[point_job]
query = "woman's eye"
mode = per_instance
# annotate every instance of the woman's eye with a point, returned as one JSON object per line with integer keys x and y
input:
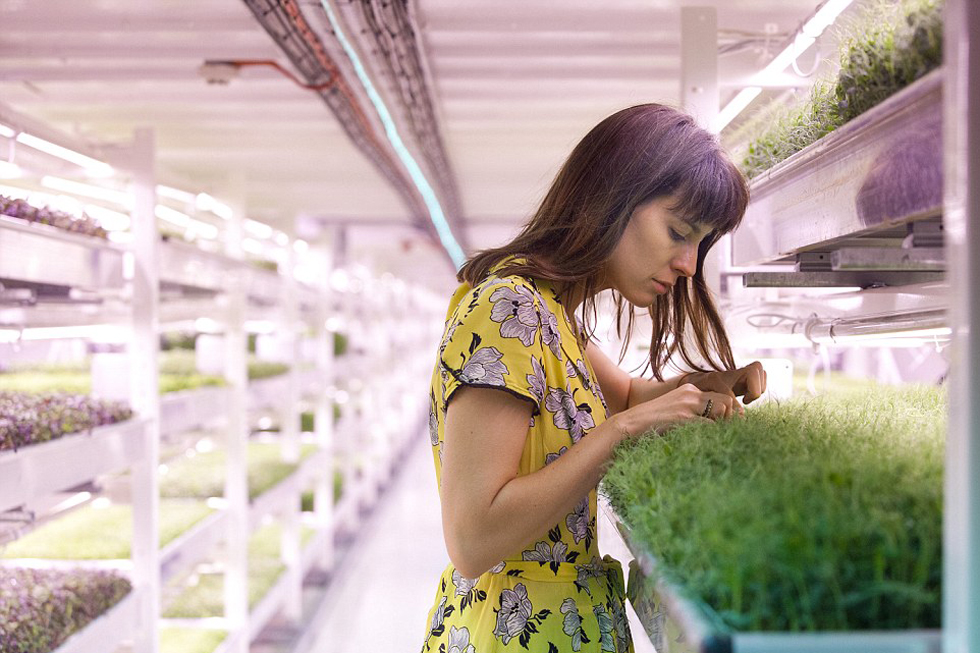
{"x": 676, "y": 237}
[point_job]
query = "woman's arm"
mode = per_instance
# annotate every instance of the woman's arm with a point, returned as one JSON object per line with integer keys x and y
{"x": 488, "y": 511}
{"x": 620, "y": 389}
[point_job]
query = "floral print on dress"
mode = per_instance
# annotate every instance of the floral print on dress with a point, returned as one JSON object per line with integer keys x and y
{"x": 433, "y": 421}
{"x": 439, "y": 618}
{"x": 483, "y": 367}
{"x": 514, "y": 309}
{"x": 537, "y": 381}
{"x": 459, "y": 641}
{"x": 621, "y": 626}
{"x": 512, "y": 333}
{"x": 605, "y": 628}
{"x": 466, "y": 588}
{"x": 572, "y": 624}
{"x": 592, "y": 569}
{"x": 572, "y": 417}
{"x": 516, "y": 617}
{"x": 552, "y": 457}
{"x": 551, "y": 554}
{"x": 549, "y": 331}
{"x": 579, "y": 521}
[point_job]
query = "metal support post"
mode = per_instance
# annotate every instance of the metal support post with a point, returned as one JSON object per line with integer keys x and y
{"x": 144, "y": 385}
{"x": 323, "y": 496}
{"x": 961, "y": 216}
{"x": 236, "y": 437}
{"x": 291, "y": 543}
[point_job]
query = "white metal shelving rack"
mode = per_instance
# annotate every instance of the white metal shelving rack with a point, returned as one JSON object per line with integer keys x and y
{"x": 40, "y": 259}
{"x": 838, "y": 213}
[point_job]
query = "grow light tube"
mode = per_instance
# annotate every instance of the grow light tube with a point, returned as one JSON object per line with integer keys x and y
{"x": 436, "y": 214}
{"x": 100, "y": 332}
{"x": 9, "y": 170}
{"x": 87, "y": 190}
{"x": 805, "y": 37}
{"x": 93, "y": 167}
{"x": 923, "y": 325}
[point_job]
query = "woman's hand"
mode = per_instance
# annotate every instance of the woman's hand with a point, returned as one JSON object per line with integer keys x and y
{"x": 687, "y": 403}
{"x": 748, "y": 382}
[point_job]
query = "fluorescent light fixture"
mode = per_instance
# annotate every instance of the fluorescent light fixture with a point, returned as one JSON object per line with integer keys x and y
{"x": 415, "y": 172}
{"x": 93, "y": 167}
{"x": 281, "y": 239}
{"x": 101, "y": 503}
{"x": 805, "y": 38}
{"x": 72, "y": 501}
{"x": 252, "y": 246}
{"x": 87, "y": 190}
{"x": 108, "y": 219}
{"x": 102, "y": 332}
{"x": 918, "y": 335}
{"x": 204, "y": 202}
{"x": 735, "y": 107}
{"x": 9, "y": 170}
{"x": 7, "y": 132}
{"x": 258, "y": 229}
{"x": 176, "y": 194}
{"x": 260, "y": 326}
{"x": 207, "y": 325}
{"x": 203, "y": 229}
{"x": 172, "y": 216}
{"x": 300, "y": 246}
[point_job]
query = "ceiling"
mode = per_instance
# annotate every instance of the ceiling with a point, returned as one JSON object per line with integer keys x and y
{"x": 513, "y": 87}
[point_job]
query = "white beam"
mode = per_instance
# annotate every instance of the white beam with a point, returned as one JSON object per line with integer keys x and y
{"x": 699, "y": 63}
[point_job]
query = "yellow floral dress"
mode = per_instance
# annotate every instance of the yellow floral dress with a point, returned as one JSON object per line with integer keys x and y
{"x": 556, "y": 594}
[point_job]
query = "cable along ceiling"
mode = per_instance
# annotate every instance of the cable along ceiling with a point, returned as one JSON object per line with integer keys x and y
{"x": 416, "y": 165}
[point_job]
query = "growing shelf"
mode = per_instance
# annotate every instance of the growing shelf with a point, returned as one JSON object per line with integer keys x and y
{"x": 286, "y": 494}
{"x": 191, "y": 640}
{"x": 203, "y": 475}
{"x": 858, "y": 186}
{"x": 264, "y": 287}
{"x": 187, "y": 270}
{"x": 77, "y": 611}
{"x": 41, "y": 258}
{"x": 187, "y": 409}
{"x": 103, "y": 533}
{"x": 115, "y": 626}
{"x": 267, "y": 584}
{"x": 676, "y": 624}
{"x": 71, "y": 460}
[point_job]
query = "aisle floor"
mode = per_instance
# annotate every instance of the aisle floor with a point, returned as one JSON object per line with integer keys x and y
{"x": 380, "y": 596}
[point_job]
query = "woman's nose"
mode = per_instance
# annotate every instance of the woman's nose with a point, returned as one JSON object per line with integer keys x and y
{"x": 686, "y": 262}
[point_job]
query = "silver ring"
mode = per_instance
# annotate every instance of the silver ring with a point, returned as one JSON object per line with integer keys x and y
{"x": 707, "y": 408}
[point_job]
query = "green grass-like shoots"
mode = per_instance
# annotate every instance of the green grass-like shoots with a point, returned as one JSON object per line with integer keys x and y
{"x": 889, "y": 47}
{"x": 190, "y": 640}
{"x": 203, "y": 475}
{"x": 206, "y": 598}
{"x": 814, "y": 515}
{"x": 102, "y": 533}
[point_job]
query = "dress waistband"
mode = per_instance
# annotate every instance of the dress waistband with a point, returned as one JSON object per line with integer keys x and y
{"x": 559, "y": 572}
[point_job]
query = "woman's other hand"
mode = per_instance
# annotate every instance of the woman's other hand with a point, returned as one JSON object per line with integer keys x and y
{"x": 748, "y": 382}
{"x": 687, "y": 403}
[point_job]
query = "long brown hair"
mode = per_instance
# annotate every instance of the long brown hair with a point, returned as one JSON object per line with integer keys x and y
{"x": 630, "y": 158}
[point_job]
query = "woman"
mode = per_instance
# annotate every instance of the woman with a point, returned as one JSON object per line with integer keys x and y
{"x": 526, "y": 410}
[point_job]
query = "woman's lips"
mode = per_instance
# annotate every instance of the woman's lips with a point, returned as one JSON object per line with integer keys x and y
{"x": 659, "y": 286}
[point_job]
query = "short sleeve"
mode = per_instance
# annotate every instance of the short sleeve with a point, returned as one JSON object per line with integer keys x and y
{"x": 494, "y": 341}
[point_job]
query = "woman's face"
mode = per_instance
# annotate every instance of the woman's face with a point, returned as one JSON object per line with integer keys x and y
{"x": 657, "y": 247}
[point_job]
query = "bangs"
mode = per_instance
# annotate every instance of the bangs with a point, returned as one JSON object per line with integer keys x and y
{"x": 713, "y": 193}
